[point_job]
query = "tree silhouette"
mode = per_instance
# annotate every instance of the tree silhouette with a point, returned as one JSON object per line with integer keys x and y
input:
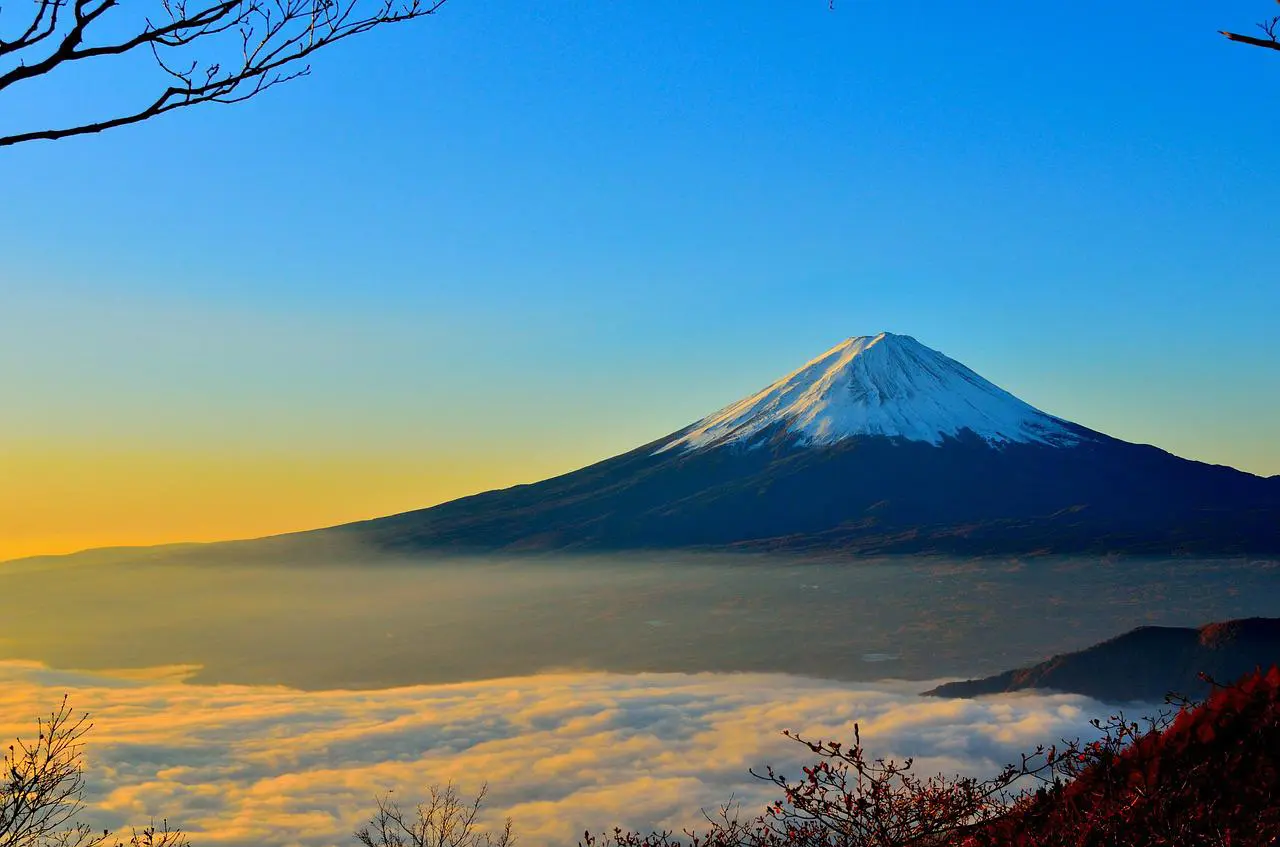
{"x": 207, "y": 51}
{"x": 42, "y": 791}
{"x": 446, "y": 820}
{"x": 1270, "y": 29}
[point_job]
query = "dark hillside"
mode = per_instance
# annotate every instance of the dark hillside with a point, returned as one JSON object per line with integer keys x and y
{"x": 865, "y": 495}
{"x": 1143, "y": 664}
{"x": 1211, "y": 778}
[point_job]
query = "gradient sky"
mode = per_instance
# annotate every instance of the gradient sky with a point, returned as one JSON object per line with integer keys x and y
{"x": 516, "y": 238}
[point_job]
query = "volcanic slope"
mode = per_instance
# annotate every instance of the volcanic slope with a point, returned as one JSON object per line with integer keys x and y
{"x": 879, "y": 445}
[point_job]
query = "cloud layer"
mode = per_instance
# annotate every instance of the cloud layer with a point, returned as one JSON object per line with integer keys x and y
{"x": 255, "y": 765}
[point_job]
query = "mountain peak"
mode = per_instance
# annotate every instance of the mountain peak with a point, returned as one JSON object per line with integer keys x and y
{"x": 878, "y": 385}
{"x": 879, "y": 337}
{"x": 894, "y": 491}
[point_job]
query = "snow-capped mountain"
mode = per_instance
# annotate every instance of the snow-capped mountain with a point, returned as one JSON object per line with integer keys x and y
{"x": 879, "y": 445}
{"x": 886, "y": 384}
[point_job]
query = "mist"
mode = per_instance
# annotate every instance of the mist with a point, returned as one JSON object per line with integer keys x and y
{"x": 263, "y": 693}
{"x": 293, "y": 613}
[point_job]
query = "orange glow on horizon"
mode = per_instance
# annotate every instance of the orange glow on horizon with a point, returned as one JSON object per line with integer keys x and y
{"x": 56, "y": 502}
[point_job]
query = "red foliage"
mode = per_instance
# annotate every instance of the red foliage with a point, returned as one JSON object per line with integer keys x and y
{"x": 1211, "y": 777}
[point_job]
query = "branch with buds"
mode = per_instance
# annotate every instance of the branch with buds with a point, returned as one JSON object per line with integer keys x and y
{"x": 224, "y": 51}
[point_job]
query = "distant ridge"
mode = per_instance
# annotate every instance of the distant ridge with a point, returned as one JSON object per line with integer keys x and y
{"x": 1143, "y": 664}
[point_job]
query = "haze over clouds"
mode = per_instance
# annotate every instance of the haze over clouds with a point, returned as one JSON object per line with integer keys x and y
{"x": 313, "y": 622}
{"x": 261, "y": 765}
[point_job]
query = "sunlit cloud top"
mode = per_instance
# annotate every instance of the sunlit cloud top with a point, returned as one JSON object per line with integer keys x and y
{"x": 261, "y": 766}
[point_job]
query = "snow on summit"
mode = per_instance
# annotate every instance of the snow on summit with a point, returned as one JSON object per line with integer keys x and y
{"x": 886, "y": 384}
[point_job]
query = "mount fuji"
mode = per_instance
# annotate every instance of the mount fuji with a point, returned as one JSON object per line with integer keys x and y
{"x": 879, "y": 445}
{"x": 885, "y": 385}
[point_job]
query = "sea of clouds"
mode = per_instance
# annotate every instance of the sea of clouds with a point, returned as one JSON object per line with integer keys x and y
{"x": 259, "y": 765}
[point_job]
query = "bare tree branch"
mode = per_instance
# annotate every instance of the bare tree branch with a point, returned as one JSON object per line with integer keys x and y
{"x": 445, "y": 820}
{"x": 244, "y": 47}
{"x": 42, "y": 791}
{"x": 1271, "y": 43}
{"x": 42, "y": 788}
{"x": 1271, "y": 29}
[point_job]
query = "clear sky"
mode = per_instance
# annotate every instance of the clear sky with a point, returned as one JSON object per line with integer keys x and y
{"x": 515, "y": 238}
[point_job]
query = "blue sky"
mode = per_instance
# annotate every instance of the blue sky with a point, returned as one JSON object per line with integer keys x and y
{"x": 521, "y": 237}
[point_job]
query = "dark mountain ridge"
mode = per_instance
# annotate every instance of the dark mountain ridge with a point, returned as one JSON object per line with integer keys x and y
{"x": 864, "y": 495}
{"x": 881, "y": 445}
{"x": 1143, "y": 664}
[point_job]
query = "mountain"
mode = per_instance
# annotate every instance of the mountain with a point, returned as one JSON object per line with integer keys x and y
{"x": 884, "y": 385}
{"x": 1144, "y": 664}
{"x": 879, "y": 445}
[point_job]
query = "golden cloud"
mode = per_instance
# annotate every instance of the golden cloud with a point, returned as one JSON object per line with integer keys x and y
{"x": 274, "y": 766}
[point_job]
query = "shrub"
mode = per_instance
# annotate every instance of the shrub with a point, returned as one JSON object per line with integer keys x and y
{"x": 446, "y": 820}
{"x": 42, "y": 791}
{"x": 1206, "y": 774}
{"x": 1209, "y": 777}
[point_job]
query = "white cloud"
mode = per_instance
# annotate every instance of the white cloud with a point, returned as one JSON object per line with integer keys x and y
{"x": 261, "y": 766}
